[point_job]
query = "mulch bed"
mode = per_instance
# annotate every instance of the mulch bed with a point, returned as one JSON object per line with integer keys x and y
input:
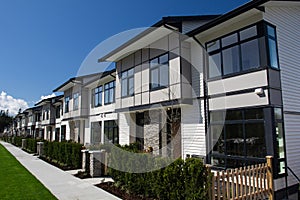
{"x": 111, "y": 188}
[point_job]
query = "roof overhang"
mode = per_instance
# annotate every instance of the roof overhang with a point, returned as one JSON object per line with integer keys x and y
{"x": 142, "y": 40}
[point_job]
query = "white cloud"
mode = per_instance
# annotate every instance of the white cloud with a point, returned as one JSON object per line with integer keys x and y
{"x": 47, "y": 96}
{"x": 8, "y": 102}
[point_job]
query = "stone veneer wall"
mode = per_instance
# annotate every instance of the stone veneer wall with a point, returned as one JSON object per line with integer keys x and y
{"x": 151, "y": 131}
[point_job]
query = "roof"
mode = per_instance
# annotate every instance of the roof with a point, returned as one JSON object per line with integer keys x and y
{"x": 79, "y": 78}
{"x": 244, "y": 8}
{"x": 174, "y": 23}
{"x": 49, "y": 100}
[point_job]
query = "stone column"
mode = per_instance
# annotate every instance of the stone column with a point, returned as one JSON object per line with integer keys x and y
{"x": 85, "y": 160}
{"x": 40, "y": 148}
{"x": 97, "y": 160}
{"x": 24, "y": 143}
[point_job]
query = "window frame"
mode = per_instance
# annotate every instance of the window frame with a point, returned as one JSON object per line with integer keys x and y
{"x": 107, "y": 92}
{"x": 127, "y": 79}
{"x": 108, "y": 125}
{"x": 263, "y": 50}
{"x": 76, "y": 101}
{"x": 245, "y": 157}
{"x": 97, "y": 95}
{"x": 67, "y": 104}
{"x": 159, "y": 67}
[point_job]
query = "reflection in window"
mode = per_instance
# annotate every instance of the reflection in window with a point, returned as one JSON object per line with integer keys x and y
{"x": 109, "y": 92}
{"x": 231, "y": 60}
{"x": 95, "y": 133}
{"x": 76, "y": 101}
{"x": 248, "y": 33}
{"x": 215, "y": 65}
{"x": 97, "y": 96}
{"x": 127, "y": 83}
{"x": 250, "y": 54}
{"x": 159, "y": 72}
{"x": 239, "y": 137}
{"x": 111, "y": 132}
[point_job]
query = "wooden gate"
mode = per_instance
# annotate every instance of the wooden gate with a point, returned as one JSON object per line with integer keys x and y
{"x": 251, "y": 182}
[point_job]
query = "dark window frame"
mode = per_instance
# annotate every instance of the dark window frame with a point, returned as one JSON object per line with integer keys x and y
{"x": 76, "y": 101}
{"x": 127, "y": 78}
{"x": 111, "y": 125}
{"x": 97, "y": 95}
{"x": 107, "y": 94}
{"x": 158, "y": 67}
{"x": 245, "y": 158}
{"x": 67, "y": 104}
{"x": 261, "y": 30}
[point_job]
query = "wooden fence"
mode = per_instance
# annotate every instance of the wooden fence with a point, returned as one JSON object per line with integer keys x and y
{"x": 251, "y": 182}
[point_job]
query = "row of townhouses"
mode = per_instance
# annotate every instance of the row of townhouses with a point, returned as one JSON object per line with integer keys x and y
{"x": 224, "y": 88}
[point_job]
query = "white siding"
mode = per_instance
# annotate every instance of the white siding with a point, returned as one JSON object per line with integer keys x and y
{"x": 242, "y": 82}
{"x": 193, "y": 129}
{"x": 286, "y": 19}
{"x": 292, "y": 134}
{"x": 124, "y": 128}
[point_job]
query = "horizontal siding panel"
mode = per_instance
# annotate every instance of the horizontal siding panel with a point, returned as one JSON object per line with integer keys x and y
{"x": 292, "y": 135}
{"x": 286, "y": 20}
{"x": 193, "y": 129}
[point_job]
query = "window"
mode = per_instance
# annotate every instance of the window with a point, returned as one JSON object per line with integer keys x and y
{"x": 67, "y": 103}
{"x": 97, "y": 96}
{"x": 111, "y": 132}
{"x": 237, "y": 137}
{"x": 273, "y": 57}
{"x": 109, "y": 92}
{"x": 95, "y": 132}
{"x": 242, "y": 51}
{"x": 76, "y": 101}
{"x": 159, "y": 72}
{"x": 280, "y": 144}
{"x": 127, "y": 83}
{"x": 57, "y": 112}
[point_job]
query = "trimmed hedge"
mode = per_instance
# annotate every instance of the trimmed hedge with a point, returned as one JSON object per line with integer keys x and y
{"x": 64, "y": 153}
{"x": 181, "y": 179}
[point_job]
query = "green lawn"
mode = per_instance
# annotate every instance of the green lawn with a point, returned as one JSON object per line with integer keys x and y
{"x": 18, "y": 183}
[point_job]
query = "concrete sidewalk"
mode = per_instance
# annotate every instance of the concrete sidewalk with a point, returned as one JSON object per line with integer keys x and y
{"x": 60, "y": 183}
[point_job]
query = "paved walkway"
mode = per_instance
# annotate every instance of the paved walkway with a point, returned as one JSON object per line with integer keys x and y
{"x": 61, "y": 184}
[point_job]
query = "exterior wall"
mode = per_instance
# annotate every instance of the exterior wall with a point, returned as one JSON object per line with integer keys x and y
{"x": 179, "y": 87}
{"x": 286, "y": 19}
{"x": 193, "y": 129}
{"x": 124, "y": 128}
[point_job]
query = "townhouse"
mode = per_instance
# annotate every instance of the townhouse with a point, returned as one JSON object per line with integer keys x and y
{"x": 223, "y": 88}
{"x": 227, "y": 92}
{"x": 86, "y": 109}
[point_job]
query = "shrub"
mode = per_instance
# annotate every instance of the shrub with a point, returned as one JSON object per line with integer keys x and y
{"x": 181, "y": 179}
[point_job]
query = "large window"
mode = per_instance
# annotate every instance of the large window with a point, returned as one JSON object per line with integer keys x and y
{"x": 127, "y": 82}
{"x": 97, "y": 96}
{"x": 76, "y": 101}
{"x": 111, "y": 132}
{"x": 67, "y": 104}
{"x": 95, "y": 133}
{"x": 237, "y": 137}
{"x": 109, "y": 92}
{"x": 242, "y": 51}
{"x": 159, "y": 72}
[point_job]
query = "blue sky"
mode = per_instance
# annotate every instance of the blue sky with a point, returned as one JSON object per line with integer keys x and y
{"x": 43, "y": 43}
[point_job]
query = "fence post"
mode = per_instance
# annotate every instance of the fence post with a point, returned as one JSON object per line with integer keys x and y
{"x": 270, "y": 177}
{"x": 211, "y": 185}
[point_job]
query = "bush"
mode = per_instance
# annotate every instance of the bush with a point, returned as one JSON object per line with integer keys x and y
{"x": 181, "y": 179}
{"x": 65, "y": 153}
